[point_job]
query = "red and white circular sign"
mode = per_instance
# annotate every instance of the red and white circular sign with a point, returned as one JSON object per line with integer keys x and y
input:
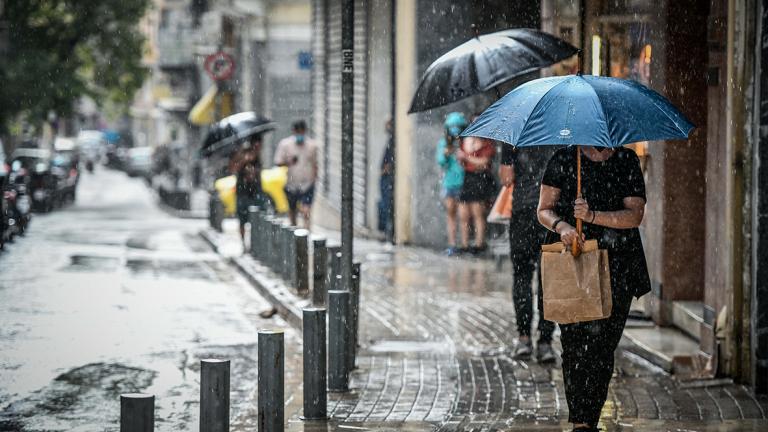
{"x": 220, "y": 66}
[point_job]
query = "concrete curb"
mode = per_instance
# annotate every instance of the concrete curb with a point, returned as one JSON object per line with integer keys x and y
{"x": 271, "y": 287}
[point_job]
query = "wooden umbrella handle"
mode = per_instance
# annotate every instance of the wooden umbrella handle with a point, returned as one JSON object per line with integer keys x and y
{"x": 575, "y": 248}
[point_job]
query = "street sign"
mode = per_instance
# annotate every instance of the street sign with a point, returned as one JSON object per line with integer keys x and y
{"x": 220, "y": 66}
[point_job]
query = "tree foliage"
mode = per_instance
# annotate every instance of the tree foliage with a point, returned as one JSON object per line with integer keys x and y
{"x": 60, "y": 50}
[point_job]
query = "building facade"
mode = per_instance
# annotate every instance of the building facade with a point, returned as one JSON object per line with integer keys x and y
{"x": 704, "y": 228}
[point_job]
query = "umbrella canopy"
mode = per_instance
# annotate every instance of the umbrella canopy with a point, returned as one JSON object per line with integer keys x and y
{"x": 580, "y": 110}
{"x": 224, "y": 136}
{"x": 485, "y": 62}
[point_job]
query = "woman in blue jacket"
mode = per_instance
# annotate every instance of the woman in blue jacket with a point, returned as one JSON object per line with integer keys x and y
{"x": 453, "y": 173}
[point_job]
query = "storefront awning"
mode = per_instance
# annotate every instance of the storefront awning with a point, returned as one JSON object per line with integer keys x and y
{"x": 203, "y": 112}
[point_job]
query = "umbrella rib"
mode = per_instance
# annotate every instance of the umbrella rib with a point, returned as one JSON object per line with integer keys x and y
{"x": 535, "y": 107}
{"x": 673, "y": 120}
{"x": 602, "y": 111}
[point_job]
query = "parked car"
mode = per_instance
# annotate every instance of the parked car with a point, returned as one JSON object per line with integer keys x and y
{"x": 273, "y": 182}
{"x": 36, "y": 164}
{"x": 139, "y": 162}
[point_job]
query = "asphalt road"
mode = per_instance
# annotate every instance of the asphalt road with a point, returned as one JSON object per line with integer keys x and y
{"x": 112, "y": 295}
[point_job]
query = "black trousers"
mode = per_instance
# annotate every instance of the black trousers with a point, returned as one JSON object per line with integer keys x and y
{"x": 588, "y": 349}
{"x": 524, "y": 264}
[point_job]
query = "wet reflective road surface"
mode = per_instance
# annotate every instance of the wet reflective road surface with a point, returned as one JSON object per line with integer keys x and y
{"x": 111, "y": 295}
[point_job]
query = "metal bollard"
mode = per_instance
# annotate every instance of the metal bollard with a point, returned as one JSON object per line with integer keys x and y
{"x": 137, "y": 412}
{"x": 253, "y": 218}
{"x": 336, "y": 269}
{"x": 319, "y": 271}
{"x": 290, "y": 254}
{"x": 215, "y": 212}
{"x": 214, "y": 395}
{"x": 271, "y": 381}
{"x": 315, "y": 371}
{"x": 261, "y": 236}
{"x": 301, "y": 260}
{"x": 285, "y": 239}
{"x": 338, "y": 340}
{"x": 354, "y": 314}
{"x": 334, "y": 266}
{"x": 274, "y": 254}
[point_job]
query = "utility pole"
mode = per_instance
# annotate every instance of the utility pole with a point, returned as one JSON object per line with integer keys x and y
{"x": 347, "y": 146}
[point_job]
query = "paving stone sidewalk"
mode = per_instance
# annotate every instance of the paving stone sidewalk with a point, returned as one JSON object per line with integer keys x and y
{"x": 435, "y": 336}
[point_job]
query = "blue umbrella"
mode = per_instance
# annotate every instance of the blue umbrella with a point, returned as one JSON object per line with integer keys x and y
{"x": 580, "y": 110}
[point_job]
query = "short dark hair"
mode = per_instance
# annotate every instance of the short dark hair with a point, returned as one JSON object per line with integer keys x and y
{"x": 299, "y": 125}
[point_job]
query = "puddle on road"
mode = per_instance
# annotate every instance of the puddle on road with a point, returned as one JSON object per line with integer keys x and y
{"x": 91, "y": 263}
{"x": 87, "y": 394}
{"x": 170, "y": 268}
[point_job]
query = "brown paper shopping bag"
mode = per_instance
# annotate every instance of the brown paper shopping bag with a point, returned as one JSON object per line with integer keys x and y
{"x": 575, "y": 289}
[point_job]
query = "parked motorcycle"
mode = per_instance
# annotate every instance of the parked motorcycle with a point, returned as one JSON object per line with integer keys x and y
{"x": 42, "y": 184}
{"x": 19, "y": 203}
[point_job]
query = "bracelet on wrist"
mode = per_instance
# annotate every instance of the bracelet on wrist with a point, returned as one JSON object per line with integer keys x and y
{"x": 594, "y": 215}
{"x": 555, "y": 223}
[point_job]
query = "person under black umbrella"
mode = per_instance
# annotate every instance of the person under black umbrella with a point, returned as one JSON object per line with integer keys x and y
{"x": 245, "y": 164}
{"x": 522, "y": 168}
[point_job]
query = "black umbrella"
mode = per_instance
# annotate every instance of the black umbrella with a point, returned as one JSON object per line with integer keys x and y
{"x": 485, "y": 62}
{"x": 225, "y": 135}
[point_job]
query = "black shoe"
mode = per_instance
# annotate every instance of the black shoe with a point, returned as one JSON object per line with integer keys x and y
{"x": 586, "y": 429}
{"x": 478, "y": 250}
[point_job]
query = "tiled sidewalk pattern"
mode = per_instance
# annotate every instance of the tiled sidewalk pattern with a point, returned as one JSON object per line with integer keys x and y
{"x": 436, "y": 332}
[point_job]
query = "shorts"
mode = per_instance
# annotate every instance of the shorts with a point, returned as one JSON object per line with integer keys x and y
{"x": 478, "y": 187}
{"x": 304, "y": 197}
{"x": 450, "y": 192}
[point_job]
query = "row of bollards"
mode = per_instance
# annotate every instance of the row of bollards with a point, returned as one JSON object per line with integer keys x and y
{"x": 286, "y": 250}
{"x": 137, "y": 410}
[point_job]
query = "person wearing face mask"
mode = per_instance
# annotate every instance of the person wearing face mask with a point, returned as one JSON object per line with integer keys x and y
{"x": 299, "y": 153}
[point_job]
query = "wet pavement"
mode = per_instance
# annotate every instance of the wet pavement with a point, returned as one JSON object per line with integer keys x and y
{"x": 436, "y": 334}
{"x": 112, "y": 295}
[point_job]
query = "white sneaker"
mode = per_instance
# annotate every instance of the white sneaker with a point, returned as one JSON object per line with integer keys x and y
{"x": 546, "y": 353}
{"x": 523, "y": 350}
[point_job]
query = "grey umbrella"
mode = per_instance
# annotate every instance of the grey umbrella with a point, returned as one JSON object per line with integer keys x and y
{"x": 484, "y": 62}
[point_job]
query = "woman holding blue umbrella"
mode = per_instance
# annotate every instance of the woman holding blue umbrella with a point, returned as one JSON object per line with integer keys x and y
{"x": 591, "y": 189}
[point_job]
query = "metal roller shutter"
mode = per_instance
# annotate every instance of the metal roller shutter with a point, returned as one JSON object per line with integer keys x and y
{"x": 332, "y": 133}
{"x": 360, "y": 188}
{"x": 319, "y": 88}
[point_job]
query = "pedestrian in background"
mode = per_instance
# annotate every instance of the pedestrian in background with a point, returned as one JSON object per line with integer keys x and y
{"x": 245, "y": 164}
{"x": 611, "y": 208}
{"x": 479, "y": 188}
{"x": 522, "y": 169}
{"x": 453, "y": 174}
{"x": 298, "y": 152}
{"x": 387, "y": 187}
